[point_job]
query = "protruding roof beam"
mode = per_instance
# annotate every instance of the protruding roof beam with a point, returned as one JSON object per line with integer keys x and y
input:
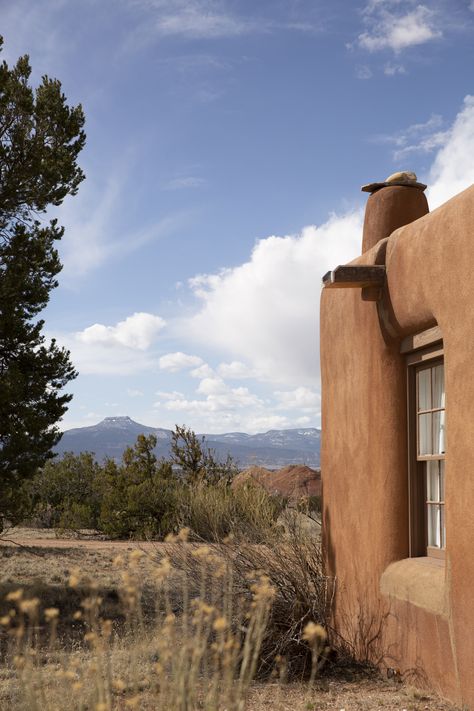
{"x": 355, "y": 276}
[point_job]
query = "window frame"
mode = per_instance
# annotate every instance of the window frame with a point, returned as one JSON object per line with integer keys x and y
{"x": 422, "y": 350}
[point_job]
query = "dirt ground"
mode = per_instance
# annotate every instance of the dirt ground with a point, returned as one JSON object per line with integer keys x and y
{"x": 30, "y": 556}
{"x": 336, "y": 695}
{"x": 33, "y": 558}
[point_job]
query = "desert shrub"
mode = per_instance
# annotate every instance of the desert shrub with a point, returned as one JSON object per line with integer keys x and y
{"x": 140, "y": 495}
{"x": 294, "y": 568}
{"x": 66, "y": 492}
{"x": 215, "y": 511}
{"x": 196, "y": 461}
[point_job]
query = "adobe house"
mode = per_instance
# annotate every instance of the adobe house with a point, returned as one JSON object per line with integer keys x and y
{"x": 397, "y": 364}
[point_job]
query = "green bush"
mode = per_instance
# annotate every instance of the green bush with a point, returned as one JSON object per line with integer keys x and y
{"x": 139, "y": 496}
{"x": 65, "y": 493}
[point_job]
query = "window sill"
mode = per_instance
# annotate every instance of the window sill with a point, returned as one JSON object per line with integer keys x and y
{"x": 419, "y": 581}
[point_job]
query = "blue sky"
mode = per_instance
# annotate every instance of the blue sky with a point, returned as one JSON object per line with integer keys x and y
{"x": 227, "y": 143}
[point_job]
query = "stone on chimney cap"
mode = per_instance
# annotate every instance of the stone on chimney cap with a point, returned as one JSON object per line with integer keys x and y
{"x": 406, "y": 178}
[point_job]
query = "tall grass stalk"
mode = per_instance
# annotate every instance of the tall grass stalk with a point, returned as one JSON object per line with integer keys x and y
{"x": 200, "y": 650}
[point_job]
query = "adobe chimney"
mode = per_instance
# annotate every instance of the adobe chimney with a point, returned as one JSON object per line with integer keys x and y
{"x": 399, "y": 200}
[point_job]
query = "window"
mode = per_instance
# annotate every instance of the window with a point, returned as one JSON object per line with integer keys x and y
{"x": 427, "y": 446}
{"x": 431, "y": 448}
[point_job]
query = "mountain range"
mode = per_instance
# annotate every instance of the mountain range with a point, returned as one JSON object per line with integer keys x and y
{"x": 274, "y": 449}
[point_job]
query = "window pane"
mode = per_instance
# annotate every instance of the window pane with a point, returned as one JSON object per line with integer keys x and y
{"x": 432, "y": 481}
{"x": 434, "y": 525}
{"x": 443, "y": 528}
{"x": 438, "y": 385}
{"x": 441, "y": 480}
{"x": 439, "y": 445}
{"x": 424, "y": 434}
{"x": 424, "y": 389}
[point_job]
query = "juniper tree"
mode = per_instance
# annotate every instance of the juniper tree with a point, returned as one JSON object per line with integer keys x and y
{"x": 40, "y": 139}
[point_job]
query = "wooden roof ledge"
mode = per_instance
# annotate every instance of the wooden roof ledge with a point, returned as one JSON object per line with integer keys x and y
{"x": 355, "y": 276}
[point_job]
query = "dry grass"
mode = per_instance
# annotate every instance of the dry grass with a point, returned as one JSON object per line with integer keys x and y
{"x": 202, "y": 656}
{"x": 132, "y": 662}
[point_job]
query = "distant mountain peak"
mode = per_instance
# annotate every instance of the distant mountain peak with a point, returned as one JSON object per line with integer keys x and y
{"x": 275, "y": 448}
{"x": 119, "y": 422}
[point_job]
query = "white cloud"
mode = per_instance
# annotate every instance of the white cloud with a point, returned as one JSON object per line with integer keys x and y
{"x": 212, "y": 386}
{"x": 303, "y": 399}
{"x": 217, "y": 406}
{"x": 265, "y": 312}
{"x": 174, "y": 362}
{"x": 235, "y": 370}
{"x": 453, "y": 167}
{"x": 101, "y": 359}
{"x": 138, "y": 332}
{"x": 222, "y": 402}
{"x": 123, "y": 349}
{"x": 304, "y": 421}
{"x": 389, "y": 27}
{"x": 203, "y": 371}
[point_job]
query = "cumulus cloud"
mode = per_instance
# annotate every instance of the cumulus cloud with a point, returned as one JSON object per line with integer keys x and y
{"x": 453, "y": 167}
{"x": 215, "y": 405}
{"x": 137, "y": 332}
{"x": 174, "y": 362}
{"x": 122, "y": 349}
{"x": 265, "y": 312}
{"x": 393, "y": 25}
{"x": 102, "y": 359}
{"x": 303, "y": 399}
{"x": 235, "y": 370}
{"x": 212, "y": 386}
{"x": 203, "y": 371}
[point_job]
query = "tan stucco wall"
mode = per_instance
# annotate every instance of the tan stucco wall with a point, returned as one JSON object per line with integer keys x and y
{"x": 430, "y": 267}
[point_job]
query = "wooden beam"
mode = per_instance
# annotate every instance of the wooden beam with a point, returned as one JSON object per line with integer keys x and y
{"x": 421, "y": 340}
{"x": 352, "y": 277}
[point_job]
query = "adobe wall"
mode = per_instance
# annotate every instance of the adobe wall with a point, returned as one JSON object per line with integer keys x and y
{"x": 426, "y": 631}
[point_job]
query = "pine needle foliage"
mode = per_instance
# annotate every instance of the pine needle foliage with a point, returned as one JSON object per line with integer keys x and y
{"x": 40, "y": 140}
